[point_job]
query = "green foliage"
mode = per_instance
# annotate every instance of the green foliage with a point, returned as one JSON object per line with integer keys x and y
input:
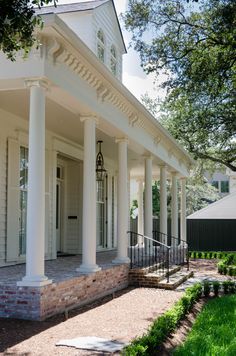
{"x": 17, "y": 25}
{"x": 228, "y": 264}
{"x": 206, "y": 288}
{"x": 195, "y": 47}
{"x": 216, "y": 287}
{"x": 213, "y": 332}
{"x": 164, "y": 325}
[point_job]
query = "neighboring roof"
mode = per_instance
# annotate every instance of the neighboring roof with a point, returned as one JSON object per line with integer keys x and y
{"x": 81, "y": 6}
{"x": 224, "y": 208}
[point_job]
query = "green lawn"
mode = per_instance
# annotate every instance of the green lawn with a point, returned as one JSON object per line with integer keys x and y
{"x": 214, "y": 331}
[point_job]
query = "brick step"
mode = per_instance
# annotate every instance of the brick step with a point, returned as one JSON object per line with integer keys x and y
{"x": 140, "y": 277}
{"x": 175, "y": 280}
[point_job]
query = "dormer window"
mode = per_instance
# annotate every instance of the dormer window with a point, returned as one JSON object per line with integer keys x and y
{"x": 113, "y": 60}
{"x": 101, "y": 46}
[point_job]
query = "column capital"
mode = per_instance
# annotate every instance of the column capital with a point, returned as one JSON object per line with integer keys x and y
{"x": 37, "y": 82}
{"x": 121, "y": 139}
{"x": 89, "y": 117}
{"x": 174, "y": 173}
{"x": 148, "y": 156}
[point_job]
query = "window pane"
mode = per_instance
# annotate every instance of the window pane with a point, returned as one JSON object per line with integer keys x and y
{"x": 101, "y": 46}
{"x": 101, "y": 53}
{"x": 23, "y": 168}
{"x": 23, "y": 215}
{"x": 215, "y": 184}
{"x": 23, "y": 198}
{"x": 225, "y": 186}
{"x": 113, "y": 60}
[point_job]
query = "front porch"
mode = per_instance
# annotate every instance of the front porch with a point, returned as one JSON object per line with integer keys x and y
{"x": 68, "y": 289}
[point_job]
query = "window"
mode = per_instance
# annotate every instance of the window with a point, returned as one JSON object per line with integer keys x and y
{"x": 101, "y": 46}
{"x": 102, "y": 213}
{"x": 215, "y": 184}
{"x": 113, "y": 60}
{"x": 23, "y": 198}
{"x": 224, "y": 186}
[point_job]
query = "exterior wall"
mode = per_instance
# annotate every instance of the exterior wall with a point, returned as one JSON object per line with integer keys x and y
{"x": 3, "y": 194}
{"x": 43, "y": 302}
{"x": 81, "y": 24}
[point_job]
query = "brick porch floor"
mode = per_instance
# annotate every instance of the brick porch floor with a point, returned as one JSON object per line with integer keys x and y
{"x": 58, "y": 270}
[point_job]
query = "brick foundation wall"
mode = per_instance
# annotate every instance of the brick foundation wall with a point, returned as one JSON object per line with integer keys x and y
{"x": 40, "y": 303}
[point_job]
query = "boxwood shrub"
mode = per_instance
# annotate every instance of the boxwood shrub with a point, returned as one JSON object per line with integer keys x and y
{"x": 164, "y": 325}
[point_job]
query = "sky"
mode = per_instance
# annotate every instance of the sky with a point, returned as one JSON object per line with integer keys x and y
{"x": 133, "y": 76}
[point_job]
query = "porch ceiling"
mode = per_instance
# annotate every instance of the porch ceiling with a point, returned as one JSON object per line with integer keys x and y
{"x": 63, "y": 119}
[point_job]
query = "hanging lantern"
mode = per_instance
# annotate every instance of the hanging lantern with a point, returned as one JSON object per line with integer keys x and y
{"x": 100, "y": 170}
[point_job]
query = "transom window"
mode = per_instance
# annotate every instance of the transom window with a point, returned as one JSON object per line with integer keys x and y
{"x": 101, "y": 46}
{"x": 113, "y": 60}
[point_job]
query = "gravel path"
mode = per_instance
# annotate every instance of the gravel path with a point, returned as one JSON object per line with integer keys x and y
{"x": 121, "y": 319}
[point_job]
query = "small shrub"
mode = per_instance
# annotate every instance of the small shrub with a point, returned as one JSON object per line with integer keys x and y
{"x": 215, "y": 254}
{"x": 216, "y": 287}
{"x": 231, "y": 287}
{"x": 225, "y": 269}
{"x": 231, "y": 271}
{"x": 206, "y": 288}
{"x": 226, "y": 285}
{"x": 194, "y": 254}
{"x": 205, "y": 254}
{"x": 199, "y": 255}
{"x": 220, "y": 267}
{"x": 210, "y": 255}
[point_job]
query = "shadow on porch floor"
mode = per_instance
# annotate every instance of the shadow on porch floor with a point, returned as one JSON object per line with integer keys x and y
{"x": 58, "y": 270}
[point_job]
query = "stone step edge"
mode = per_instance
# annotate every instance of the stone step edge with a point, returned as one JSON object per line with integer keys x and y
{"x": 150, "y": 270}
{"x": 172, "y": 271}
{"x": 174, "y": 285}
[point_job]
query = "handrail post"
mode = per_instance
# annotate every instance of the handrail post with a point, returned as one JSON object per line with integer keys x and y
{"x": 168, "y": 262}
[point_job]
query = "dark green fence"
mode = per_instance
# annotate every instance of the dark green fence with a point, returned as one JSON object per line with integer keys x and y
{"x": 211, "y": 235}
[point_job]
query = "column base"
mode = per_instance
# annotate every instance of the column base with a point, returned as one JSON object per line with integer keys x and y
{"x": 87, "y": 269}
{"x": 121, "y": 260}
{"x": 36, "y": 281}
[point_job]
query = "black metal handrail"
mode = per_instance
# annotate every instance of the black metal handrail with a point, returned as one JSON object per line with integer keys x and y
{"x": 147, "y": 252}
{"x": 178, "y": 248}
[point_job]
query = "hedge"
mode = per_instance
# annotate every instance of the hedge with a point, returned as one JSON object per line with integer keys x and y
{"x": 164, "y": 325}
{"x": 210, "y": 255}
{"x": 228, "y": 265}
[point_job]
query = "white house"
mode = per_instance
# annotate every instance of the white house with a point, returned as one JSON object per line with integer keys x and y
{"x": 54, "y": 107}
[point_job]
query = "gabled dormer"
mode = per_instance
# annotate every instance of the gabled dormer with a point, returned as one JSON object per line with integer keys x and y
{"x": 96, "y": 24}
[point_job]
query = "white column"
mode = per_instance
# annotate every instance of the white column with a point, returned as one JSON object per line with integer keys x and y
{"x": 122, "y": 203}
{"x": 183, "y": 210}
{"x": 89, "y": 198}
{"x": 163, "y": 203}
{"x": 140, "y": 206}
{"x": 148, "y": 201}
{"x": 174, "y": 209}
{"x": 35, "y": 232}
